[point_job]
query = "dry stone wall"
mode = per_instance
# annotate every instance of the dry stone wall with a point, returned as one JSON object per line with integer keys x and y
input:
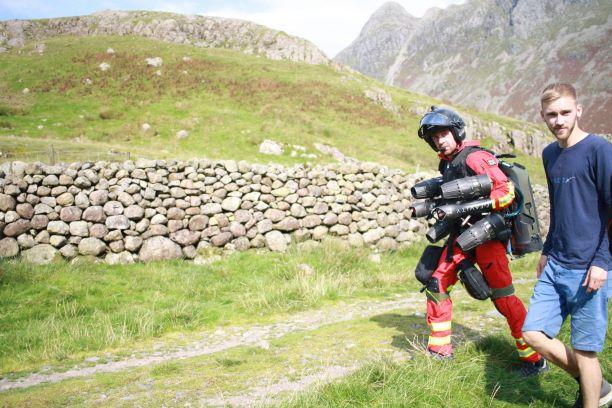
{"x": 153, "y": 209}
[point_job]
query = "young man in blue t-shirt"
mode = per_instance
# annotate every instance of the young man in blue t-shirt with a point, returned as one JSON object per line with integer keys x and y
{"x": 575, "y": 262}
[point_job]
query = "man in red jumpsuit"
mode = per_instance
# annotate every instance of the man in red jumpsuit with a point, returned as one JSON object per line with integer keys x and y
{"x": 444, "y": 130}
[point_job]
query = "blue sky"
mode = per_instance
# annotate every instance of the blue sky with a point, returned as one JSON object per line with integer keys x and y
{"x": 331, "y": 25}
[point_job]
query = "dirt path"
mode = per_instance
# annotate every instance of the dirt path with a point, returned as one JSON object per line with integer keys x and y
{"x": 235, "y": 336}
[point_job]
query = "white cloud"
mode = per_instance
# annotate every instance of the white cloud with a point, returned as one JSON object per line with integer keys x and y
{"x": 329, "y": 25}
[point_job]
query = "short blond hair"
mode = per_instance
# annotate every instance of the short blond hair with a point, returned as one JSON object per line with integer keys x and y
{"x": 556, "y": 90}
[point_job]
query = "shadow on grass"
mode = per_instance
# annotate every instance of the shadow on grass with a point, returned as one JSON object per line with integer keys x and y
{"x": 506, "y": 385}
{"x": 501, "y": 382}
{"x": 414, "y": 331}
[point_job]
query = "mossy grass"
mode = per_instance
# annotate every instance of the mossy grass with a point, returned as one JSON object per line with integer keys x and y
{"x": 229, "y": 103}
{"x": 58, "y": 312}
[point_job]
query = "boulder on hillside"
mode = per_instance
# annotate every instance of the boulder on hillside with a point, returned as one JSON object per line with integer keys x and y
{"x": 270, "y": 147}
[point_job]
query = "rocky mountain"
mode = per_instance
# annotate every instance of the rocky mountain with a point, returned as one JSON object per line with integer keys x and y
{"x": 210, "y": 32}
{"x": 380, "y": 41}
{"x": 497, "y": 55}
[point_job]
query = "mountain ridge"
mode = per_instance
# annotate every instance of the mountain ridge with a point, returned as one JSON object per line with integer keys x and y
{"x": 498, "y": 56}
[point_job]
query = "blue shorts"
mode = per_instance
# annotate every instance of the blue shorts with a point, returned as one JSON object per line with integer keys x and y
{"x": 559, "y": 293}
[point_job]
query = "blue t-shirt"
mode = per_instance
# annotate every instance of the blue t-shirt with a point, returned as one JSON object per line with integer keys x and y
{"x": 580, "y": 188}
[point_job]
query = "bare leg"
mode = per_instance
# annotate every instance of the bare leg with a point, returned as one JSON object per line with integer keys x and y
{"x": 590, "y": 377}
{"x": 554, "y": 351}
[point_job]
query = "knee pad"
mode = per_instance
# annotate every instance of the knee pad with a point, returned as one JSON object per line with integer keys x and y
{"x": 433, "y": 285}
{"x": 432, "y": 290}
{"x": 473, "y": 281}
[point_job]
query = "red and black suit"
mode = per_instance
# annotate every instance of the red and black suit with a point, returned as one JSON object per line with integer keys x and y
{"x": 471, "y": 160}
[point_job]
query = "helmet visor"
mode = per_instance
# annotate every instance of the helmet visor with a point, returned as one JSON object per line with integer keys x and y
{"x": 436, "y": 119}
{"x": 433, "y": 120}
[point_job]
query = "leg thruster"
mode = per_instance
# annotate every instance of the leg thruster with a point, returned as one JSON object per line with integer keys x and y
{"x": 473, "y": 280}
{"x": 428, "y": 263}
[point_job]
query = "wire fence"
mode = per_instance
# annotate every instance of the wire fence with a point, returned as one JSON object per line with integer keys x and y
{"x": 54, "y": 155}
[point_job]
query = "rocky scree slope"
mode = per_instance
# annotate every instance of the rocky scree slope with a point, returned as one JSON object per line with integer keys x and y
{"x": 497, "y": 55}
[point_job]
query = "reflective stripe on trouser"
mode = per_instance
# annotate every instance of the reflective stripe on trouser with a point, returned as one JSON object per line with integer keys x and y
{"x": 438, "y": 319}
{"x": 440, "y": 305}
{"x": 525, "y": 352}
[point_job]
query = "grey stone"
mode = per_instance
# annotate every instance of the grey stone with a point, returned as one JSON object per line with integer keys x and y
{"x": 330, "y": 219}
{"x": 185, "y": 237}
{"x": 319, "y": 232}
{"x": 11, "y": 216}
{"x": 274, "y": 215}
{"x": 288, "y": 224}
{"x": 113, "y": 208}
{"x": 58, "y": 241}
{"x": 134, "y": 212}
{"x": 65, "y": 199}
{"x": 41, "y": 254}
{"x": 25, "y": 210}
{"x": 320, "y": 208}
{"x": 133, "y": 243}
{"x": 113, "y": 235}
{"x": 26, "y": 241}
{"x": 125, "y": 199}
{"x": 242, "y": 243}
{"x": 98, "y": 231}
{"x": 298, "y": 211}
{"x": 221, "y": 239}
{"x": 311, "y": 221}
{"x": 374, "y": 235}
{"x": 387, "y": 244}
{"x": 82, "y": 201}
{"x": 121, "y": 258}
{"x": 42, "y": 209}
{"x": 116, "y": 246}
{"x": 339, "y": 229}
{"x": 50, "y": 181}
{"x": 94, "y": 214}
{"x": 155, "y": 230}
{"x": 264, "y": 226}
{"x": 8, "y": 247}
{"x": 79, "y": 229}
{"x": 98, "y": 197}
{"x": 175, "y": 225}
{"x": 69, "y": 251}
{"x": 92, "y": 246}
{"x": 275, "y": 241}
{"x": 119, "y": 222}
{"x": 159, "y": 248}
{"x": 198, "y": 222}
{"x": 237, "y": 229}
{"x": 17, "y": 228}
{"x": 211, "y": 209}
{"x": 231, "y": 204}
{"x": 242, "y": 216}
{"x": 175, "y": 214}
{"x": 69, "y": 214}
{"x": 345, "y": 218}
{"x": 42, "y": 237}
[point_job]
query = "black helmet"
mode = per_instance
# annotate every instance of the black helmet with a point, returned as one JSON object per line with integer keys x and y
{"x": 439, "y": 118}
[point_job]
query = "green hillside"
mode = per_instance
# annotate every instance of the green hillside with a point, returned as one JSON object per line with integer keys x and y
{"x": 229, "y": 103}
